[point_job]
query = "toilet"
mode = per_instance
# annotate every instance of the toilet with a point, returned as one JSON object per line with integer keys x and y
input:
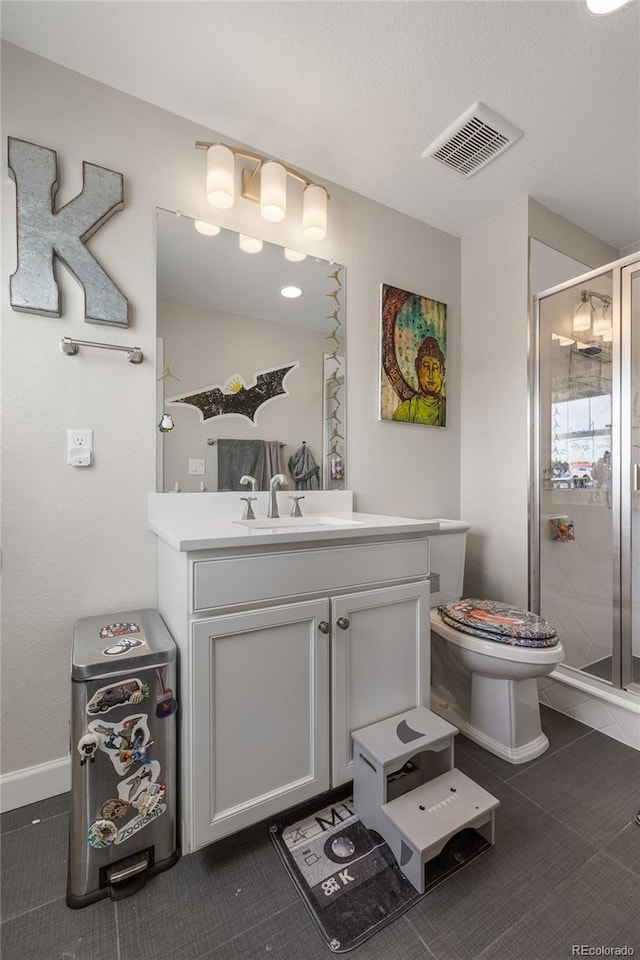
{"x": 484, "y": 681}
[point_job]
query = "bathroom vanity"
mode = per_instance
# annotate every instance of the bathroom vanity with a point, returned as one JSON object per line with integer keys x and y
{"x": 291, "y": 634}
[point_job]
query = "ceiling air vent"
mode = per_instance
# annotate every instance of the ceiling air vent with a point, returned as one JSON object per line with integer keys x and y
{"x": 473, "y": 140}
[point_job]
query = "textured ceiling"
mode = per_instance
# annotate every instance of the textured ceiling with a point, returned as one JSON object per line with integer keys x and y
{"x": 354, "y": 91}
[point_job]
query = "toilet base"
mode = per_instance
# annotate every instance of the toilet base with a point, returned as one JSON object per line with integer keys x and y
{"x": 504, "y": 717}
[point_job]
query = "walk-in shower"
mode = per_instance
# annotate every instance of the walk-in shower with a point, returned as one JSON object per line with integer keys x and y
{"x": 585, "y": 505}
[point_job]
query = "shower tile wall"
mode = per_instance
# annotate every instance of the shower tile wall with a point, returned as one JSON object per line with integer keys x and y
{"x": 610, "y": 718}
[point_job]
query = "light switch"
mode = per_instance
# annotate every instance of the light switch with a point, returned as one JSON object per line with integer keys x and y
{"x": 196, "y": 467}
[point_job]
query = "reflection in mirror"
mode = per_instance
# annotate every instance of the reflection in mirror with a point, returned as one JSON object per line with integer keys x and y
{"x": 252, "y": 377}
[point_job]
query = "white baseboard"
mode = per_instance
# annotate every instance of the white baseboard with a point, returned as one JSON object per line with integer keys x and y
{"x": 31, "y": 784}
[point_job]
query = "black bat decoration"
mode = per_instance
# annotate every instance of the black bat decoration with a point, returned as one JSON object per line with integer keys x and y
{"x": 239, "y": 400}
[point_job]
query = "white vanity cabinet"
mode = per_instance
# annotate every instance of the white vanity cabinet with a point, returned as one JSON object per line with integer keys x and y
{"x": 260, "y": 715}
{"x": 286, "y": 644}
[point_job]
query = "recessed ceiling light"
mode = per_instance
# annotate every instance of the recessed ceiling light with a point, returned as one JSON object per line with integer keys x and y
{"x": 291, "y": 292}
{"x": 294, "y": 255}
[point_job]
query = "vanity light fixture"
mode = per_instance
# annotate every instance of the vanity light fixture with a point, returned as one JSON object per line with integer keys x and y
{"x": 249, "y": 244}
{"x": 291, "y": 293}
{"x": 586, "y": 311}
{"x": 602, "y": 321}
{"x": 294, "y": 255}
{"x": 582, "y": 314}
{"x": 265, "y": 184}
{"x": 600, "y": 7}
{"x": 206, "y": 229}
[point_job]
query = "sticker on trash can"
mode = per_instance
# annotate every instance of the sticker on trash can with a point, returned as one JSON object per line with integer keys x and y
{"x": 129, "y": 789}
{"x": 115, "y": 809}
{"x": 101, "y": 834}
{"x": 165, "y": 702}
{"x": 131, "y": 691}
{"x": 125, "y": 742}
{"x": 138, "y": 823}
{"x": 118, "y": 630}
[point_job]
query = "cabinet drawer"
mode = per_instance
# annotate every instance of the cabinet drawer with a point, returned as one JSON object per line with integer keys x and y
{"x": 248, "y": 579}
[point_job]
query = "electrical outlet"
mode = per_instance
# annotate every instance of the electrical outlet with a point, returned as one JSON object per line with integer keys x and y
{"x": 79, "y": 447}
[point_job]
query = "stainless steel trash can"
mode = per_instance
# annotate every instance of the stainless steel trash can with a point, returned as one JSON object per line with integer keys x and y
{"x": 123, "y": 755}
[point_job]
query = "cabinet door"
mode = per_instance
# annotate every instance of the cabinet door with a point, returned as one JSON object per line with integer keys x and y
{"x": 380, "y": 662}
{"x": 261, "y": 715}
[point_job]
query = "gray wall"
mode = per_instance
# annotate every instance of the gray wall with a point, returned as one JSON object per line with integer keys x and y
{"x": 75, "y": 541}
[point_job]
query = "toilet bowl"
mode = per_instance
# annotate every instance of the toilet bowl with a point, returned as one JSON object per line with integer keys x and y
{"x": 485, "y": 687}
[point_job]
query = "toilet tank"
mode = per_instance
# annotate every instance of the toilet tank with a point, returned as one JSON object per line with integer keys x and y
{"x": 447, "y": 548}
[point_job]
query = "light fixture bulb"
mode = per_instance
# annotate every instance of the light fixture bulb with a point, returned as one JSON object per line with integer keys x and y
{"x": 250, "y": 244}
{"x": 582, "y": 316}
{"x": 206, "y": 229}
{"x": 600, "y": 7}
{"x": 291, "y": 293}
{"x": 314, "y": 212}
{"x": 294, "y": 255}
{"x": 220, "y": 176}
{"x": 273, "y": 191}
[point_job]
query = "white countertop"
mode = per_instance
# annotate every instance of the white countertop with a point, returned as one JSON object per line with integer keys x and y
{"x": 209, "y": 533}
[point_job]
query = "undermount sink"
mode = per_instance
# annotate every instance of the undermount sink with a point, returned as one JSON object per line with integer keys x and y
{"x": 285, "y": 523}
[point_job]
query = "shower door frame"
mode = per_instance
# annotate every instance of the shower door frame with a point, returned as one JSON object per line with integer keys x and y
{"x": 621, "y": 272}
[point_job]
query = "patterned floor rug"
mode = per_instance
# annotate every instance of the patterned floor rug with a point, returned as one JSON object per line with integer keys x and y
{"x": 347, "y": 876}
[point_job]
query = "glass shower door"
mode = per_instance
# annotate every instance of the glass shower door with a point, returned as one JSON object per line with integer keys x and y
{"x": 630, "y": 485}
{"x": 577, "y": 528}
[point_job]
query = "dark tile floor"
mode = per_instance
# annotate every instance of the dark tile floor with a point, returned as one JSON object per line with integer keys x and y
{"x": 565, "y": 872}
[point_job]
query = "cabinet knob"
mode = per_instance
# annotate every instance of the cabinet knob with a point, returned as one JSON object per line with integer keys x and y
{"x": 343, "y": 623}
{"x": 324, "y": 627}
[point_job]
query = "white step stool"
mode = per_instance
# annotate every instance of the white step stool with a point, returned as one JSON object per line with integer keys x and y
{"x": 416, "y": 810}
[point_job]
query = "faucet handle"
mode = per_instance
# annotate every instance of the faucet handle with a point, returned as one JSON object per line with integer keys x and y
{"x": 248, "y": 510}
{"x": 295, "y": 507}
{"x": 248, "y": 479}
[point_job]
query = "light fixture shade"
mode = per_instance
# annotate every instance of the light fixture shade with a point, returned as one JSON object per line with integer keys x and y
{"x": 206, "y": 229}
{"x": 582, "y": 316}
{"x": 605, "y": 6}
{"x": 607, "y": 336}
{"x": 250, "y": 244}
{"x": 273, "y": 191}
{"x": 601, "y": 321}
{"x": 294, "y": 255}
{"x": 314, "y": 212}
{"x": 221, "y": 176}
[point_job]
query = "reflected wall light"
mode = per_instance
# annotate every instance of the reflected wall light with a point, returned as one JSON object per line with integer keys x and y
{"x": 294, "y": 255}
{"x": 206, "y": 229}
{"x": 265, "y": 184}
{"x": 582, "y": 314}
{"x": 249, "y": 244}
{"x": 586, "y": 311}
{"x": 600, "y": 7}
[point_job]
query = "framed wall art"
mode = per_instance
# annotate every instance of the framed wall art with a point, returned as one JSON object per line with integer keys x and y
{"x": 413, "y": 387}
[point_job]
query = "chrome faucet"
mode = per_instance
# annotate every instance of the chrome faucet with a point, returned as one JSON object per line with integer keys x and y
{"x": 274, "y": 483}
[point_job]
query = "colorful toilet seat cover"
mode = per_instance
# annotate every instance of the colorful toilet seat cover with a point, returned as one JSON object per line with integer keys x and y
{"x": 497, "y": 621}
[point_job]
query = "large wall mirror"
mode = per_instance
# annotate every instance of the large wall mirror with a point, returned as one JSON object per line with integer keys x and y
{"x": 253, "y": 379}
